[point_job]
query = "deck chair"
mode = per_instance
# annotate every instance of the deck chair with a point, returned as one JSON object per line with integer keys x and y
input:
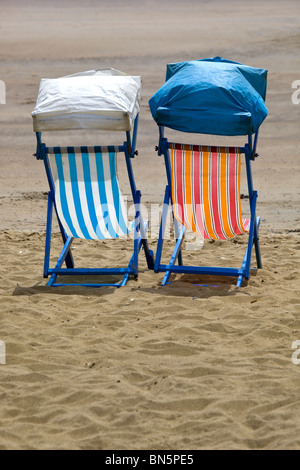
{"x": 218, "y": 97}
{"x": 84, "y": 187}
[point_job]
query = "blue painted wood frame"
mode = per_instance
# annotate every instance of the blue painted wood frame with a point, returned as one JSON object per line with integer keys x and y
{"x": 241, "y": 273}
{"x": 140, "y": 229}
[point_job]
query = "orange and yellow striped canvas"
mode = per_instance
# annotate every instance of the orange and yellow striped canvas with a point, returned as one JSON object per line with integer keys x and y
{"x": 206, "y": 190}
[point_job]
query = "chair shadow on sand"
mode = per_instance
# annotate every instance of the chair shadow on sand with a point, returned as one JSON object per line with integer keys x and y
{"x": 196, "y": 286}
{"x": 39, "y": 288}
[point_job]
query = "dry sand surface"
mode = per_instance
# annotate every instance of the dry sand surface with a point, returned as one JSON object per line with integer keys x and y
{"x": 198, "y": 364}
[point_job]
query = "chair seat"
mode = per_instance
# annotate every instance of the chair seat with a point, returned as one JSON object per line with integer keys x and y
{"x": 206, "y": 190}
{"x": 88, "y": 198}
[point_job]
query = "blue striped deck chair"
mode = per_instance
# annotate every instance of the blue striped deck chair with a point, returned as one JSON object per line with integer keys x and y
{"x": 84, "y": 187}
{"x": 215, "y": 97}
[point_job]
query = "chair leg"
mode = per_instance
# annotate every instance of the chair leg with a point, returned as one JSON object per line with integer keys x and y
{"x": 137, "y": 230}
{"x": 48, "y": 234}
{"x": 162, "y": 230}
{"x": 177, "y": 235}
{"x": 174, "y": 257}
{"x": 139, "y": 246}
{"x": 69, "y": 258}
{"x": 61, "y": 259}
{"x": 148, "y": 253}
{"x": 254, "y": 224}
{"x": 257, "y": 245}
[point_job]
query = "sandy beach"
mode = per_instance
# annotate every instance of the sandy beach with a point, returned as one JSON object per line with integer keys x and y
{"x": 198, "y": 364}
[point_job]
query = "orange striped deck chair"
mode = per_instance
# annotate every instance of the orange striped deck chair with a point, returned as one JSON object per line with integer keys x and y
{"x": 203, "y": 190}
{"x": 214, "y": 97}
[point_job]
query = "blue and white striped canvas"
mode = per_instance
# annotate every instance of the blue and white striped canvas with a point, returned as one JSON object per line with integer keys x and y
{"x": 87, "y": 193}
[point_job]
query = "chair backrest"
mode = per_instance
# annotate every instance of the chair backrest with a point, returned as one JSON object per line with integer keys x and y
{"x": 206, "y": 190}
{"x": 88, "y": 199}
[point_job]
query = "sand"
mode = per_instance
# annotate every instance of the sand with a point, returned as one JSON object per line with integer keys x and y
{"x": 198, "y": 364}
